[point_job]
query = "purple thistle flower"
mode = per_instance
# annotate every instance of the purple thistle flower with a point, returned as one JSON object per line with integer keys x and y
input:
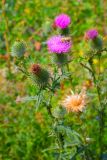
{"x": 62, "y": 21}
{"x": 56, "y": 45}
{"x": 91, "y": 34}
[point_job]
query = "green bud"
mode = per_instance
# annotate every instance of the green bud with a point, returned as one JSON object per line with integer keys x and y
{"x": 59, "y": 112}
{"x": 96, "y": 43}
{"x": 18, "y": 49}
{"x": 60, "y": 59}
{"x": 40, "y": 75}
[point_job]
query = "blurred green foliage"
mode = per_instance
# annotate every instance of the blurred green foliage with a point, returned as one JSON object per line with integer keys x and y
{"x": 24, "y": 133}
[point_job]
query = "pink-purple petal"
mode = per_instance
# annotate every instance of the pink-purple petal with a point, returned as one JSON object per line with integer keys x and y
{"x": 62, "y": 21}
{"x": 55, "y": 45}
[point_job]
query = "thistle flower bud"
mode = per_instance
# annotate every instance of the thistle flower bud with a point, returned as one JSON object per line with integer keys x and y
{"x": 96, "y": 44}
{"x": 40, "y": 75}
{"x": 60, "y": 59}
{"x": 91, "y": 34}
{"x": 95, "y": 41}
{"x": 18, "y": 49}
{"x": 59, "y": 112}
{"x": 35, "y": 69}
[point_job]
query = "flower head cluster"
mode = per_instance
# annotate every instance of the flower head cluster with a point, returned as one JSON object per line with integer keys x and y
{"x": 75, "y": 102}
{"x": 62, "y": 21}
{"x": 91, "y": 34}
{"x": 56, "y": 44}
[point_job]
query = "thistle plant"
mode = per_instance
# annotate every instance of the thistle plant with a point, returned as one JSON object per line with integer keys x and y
{"x": 69, "y": 143}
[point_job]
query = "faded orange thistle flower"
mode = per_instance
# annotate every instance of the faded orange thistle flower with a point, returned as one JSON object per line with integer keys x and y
{"x": 75, "y": 102}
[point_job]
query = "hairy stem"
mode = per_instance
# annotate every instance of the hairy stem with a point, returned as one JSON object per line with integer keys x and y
{"x": 101, "y": 110}
{"x": 59, "y": 137}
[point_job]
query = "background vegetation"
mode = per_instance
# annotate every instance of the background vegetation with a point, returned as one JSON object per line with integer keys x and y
{"x": 24, "y": 130}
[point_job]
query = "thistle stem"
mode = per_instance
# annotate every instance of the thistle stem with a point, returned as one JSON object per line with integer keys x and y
{"x": 101, "y": 111}
{"x": 59, "y": 137}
